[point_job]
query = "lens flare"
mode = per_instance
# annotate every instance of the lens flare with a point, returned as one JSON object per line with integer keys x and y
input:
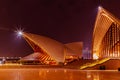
{"x": 19, "y": 32}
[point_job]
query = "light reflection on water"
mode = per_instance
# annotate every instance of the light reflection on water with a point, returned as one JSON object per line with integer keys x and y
{"x": 57, "y": 74}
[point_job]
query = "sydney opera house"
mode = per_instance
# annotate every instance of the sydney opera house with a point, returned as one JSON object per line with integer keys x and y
{"x": 49, "y": 51}
{"x": 106, "y": 36}
{"x": 105, "y": 42}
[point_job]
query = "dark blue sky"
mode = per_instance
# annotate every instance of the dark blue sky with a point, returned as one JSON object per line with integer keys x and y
{"x": 63, "y": 20}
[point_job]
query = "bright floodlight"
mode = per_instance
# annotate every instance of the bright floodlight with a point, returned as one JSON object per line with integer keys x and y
{"x": 19, "y": 33}
{"x": 99, "y": 8}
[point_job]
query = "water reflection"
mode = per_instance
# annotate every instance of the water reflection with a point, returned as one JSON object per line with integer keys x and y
{"x": 96, "y": 76}
{"x": 92, "y": 76}
{"x": 88, "y": 75}
{"x": 57, "y": 74}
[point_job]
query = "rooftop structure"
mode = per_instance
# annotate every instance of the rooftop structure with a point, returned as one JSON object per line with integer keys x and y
{"x": 49, "y": 50}
{"x": 106, "y": 35}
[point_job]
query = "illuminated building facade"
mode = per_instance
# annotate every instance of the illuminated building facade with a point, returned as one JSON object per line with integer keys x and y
{"x": 51, "y": 51}
{"x": 106, "y": 36}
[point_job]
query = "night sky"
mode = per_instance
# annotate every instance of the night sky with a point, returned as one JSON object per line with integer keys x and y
{"x": 63, "y": 20}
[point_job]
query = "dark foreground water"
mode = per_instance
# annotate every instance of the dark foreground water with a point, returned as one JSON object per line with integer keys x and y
{"x": 57, "y": 74}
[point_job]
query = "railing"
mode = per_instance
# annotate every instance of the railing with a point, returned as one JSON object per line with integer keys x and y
{"x": 94, "y": 63}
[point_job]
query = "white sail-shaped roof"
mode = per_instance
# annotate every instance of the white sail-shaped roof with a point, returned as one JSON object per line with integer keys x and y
{"x": 52, "y": 47}
{"x": 76, "y": 47}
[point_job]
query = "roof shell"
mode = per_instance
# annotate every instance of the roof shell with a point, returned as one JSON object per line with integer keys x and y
{"x": 104, "y": 20}
{"x": 52, "y": 47}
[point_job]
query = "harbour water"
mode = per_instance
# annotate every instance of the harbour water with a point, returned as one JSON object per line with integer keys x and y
{"x": 57, "y": 74}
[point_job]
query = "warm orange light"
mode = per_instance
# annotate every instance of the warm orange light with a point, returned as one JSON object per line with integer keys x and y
{"x": 95, "y": 56}
{"x": 71, "y": 56}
